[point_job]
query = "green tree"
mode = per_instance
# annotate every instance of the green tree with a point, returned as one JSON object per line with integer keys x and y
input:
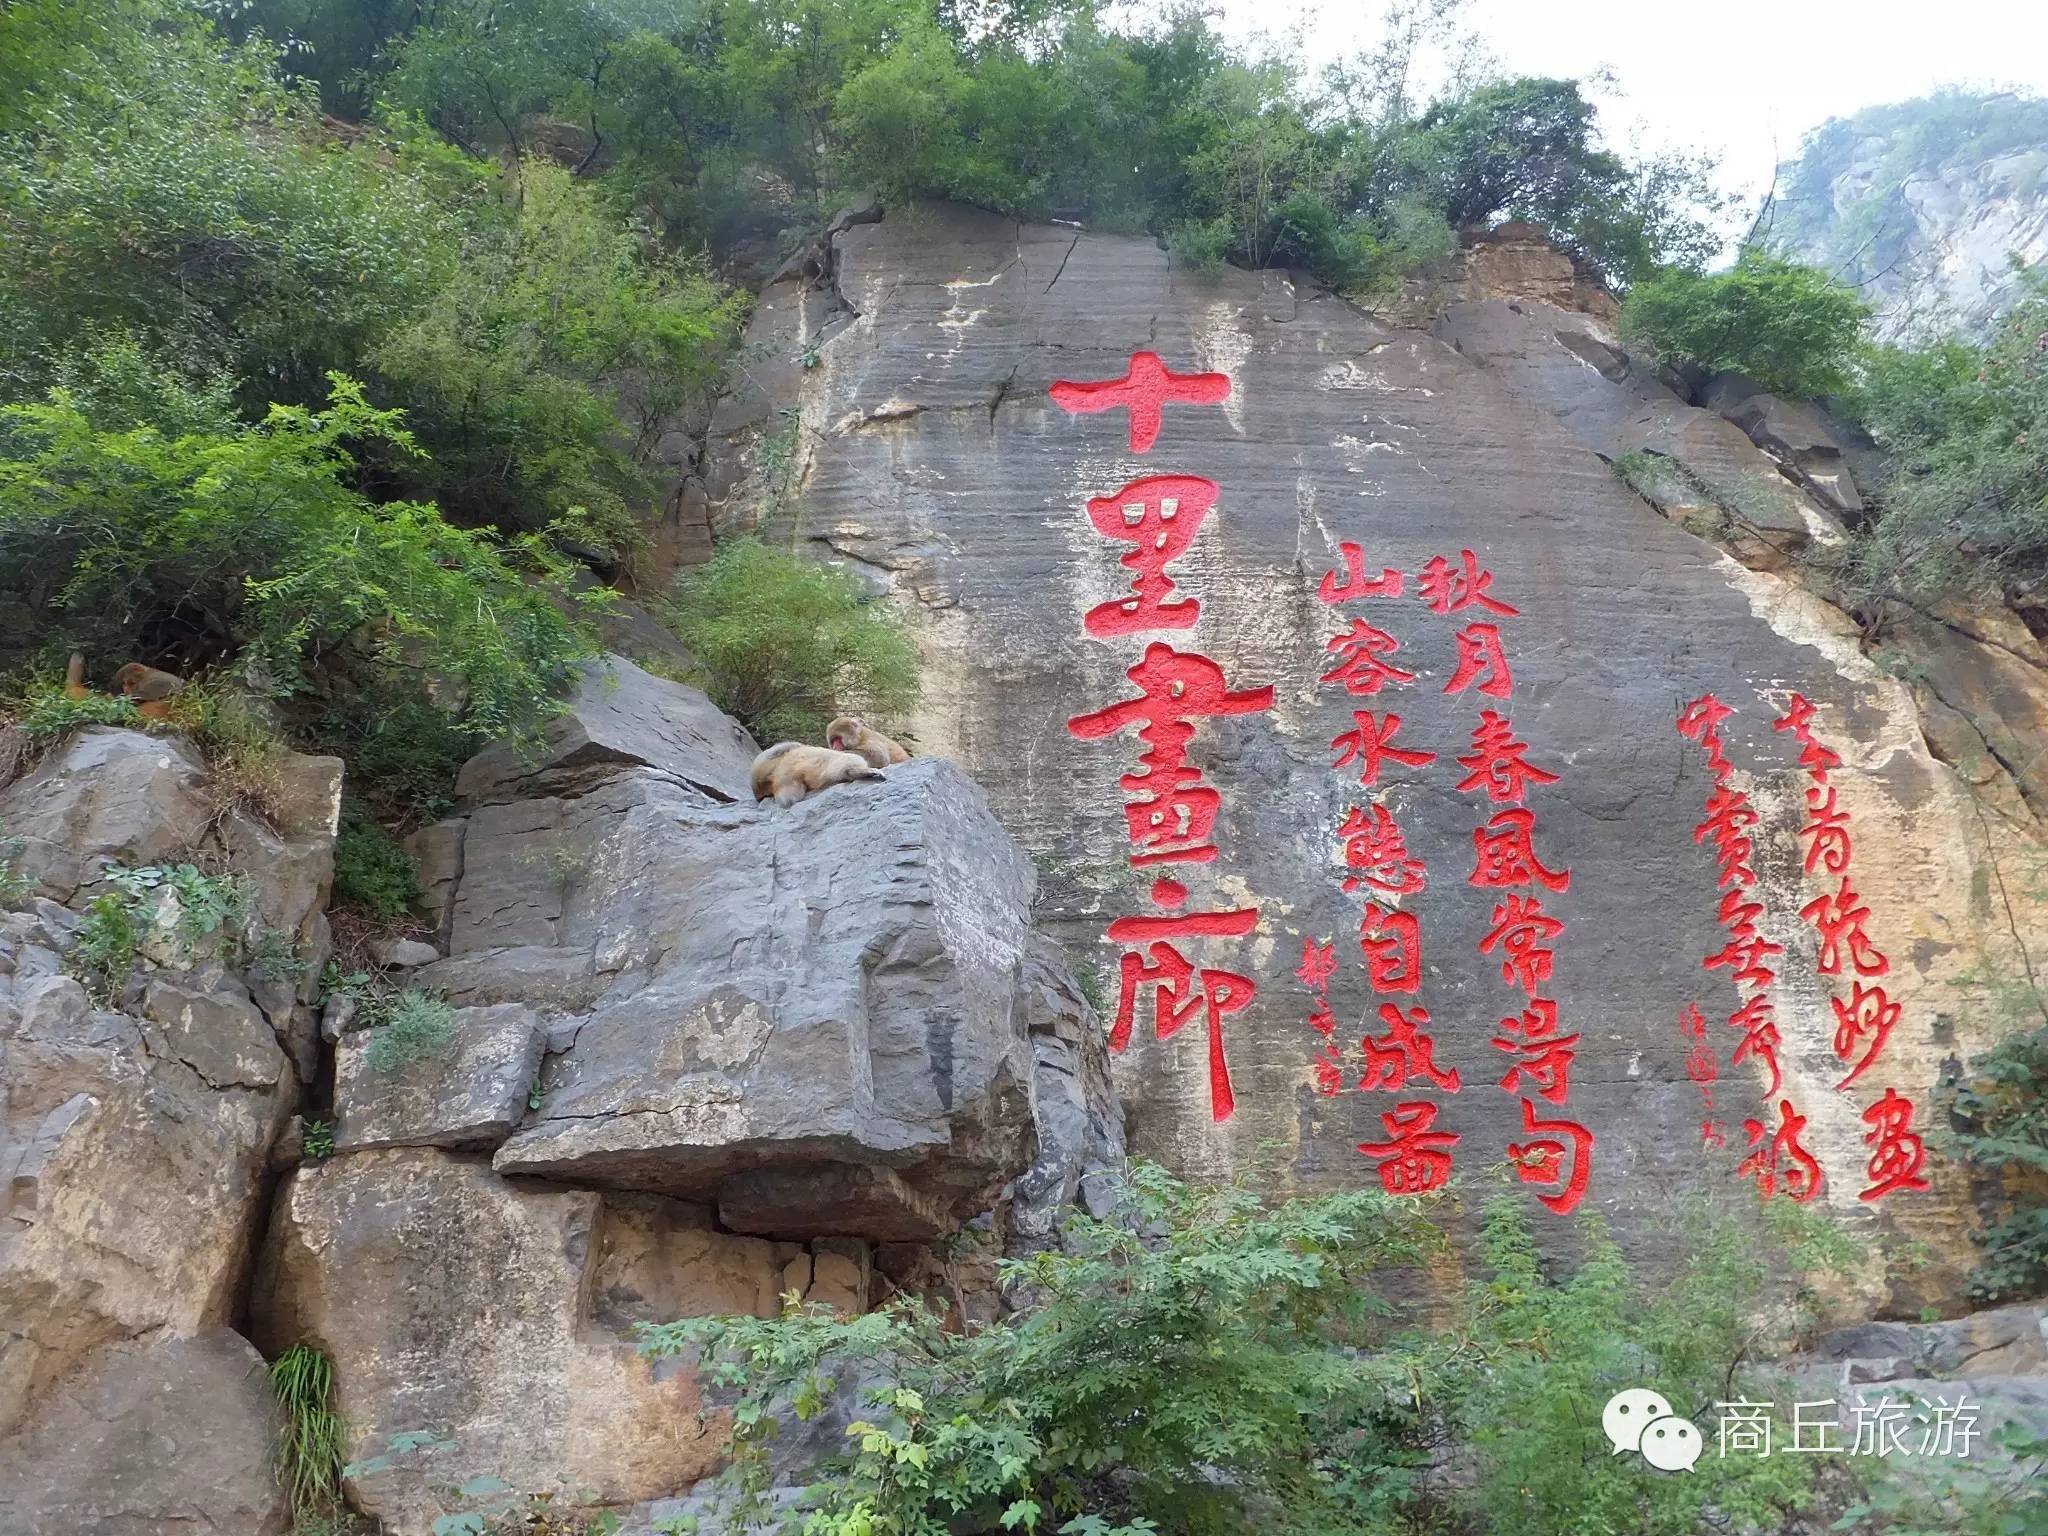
{"x": 1792, "y": 329}
{"x": 249, "y": 542}
{"x": 540, "y": 377}
{"x": 786, "y": 642}
{"x": 1964, "y": 424}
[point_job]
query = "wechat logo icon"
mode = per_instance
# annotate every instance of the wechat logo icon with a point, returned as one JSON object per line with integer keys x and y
{"x": 1641, "y": 1420}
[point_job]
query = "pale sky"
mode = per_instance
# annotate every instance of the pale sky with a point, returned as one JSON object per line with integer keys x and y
{"x": 1742, "y": 81}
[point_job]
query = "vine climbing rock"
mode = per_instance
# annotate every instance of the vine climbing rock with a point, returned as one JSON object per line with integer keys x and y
{"x": 1345, "y": 968}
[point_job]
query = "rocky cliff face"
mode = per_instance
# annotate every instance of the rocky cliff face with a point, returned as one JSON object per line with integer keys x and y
{"x": 1923, "y": 205}
{"x": 704, "y": 1054}
{"x": 1636, "y": 965}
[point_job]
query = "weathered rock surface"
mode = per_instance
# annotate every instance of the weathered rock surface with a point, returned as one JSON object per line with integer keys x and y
{"x": 1080, "y": 1125}
{"x": 132, "y": 1149}
{"x": 470, "y": 1094}
{"x": 932, "y": 457}
{"x": 810, "y": 1017}
{"x": 496, "y": 1313}
{"x": 151, "y": 1436}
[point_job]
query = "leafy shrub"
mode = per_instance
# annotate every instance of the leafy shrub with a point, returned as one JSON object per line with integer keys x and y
{"x": 102, "y": 956}
{"x": 371, "y": 872}
{"x": 1964, "y": 424}
{"x": 309, "y": 1442}
{"x": 1793, "y": 329}
{"x": 785, "y": 642}
{"x": 560, "y": 324}
{"x": 409, "y": 1027}
{"x": 256, "y": 534}
{"x": 16, "y": 886}
{"x": 2000, "y": 1111}
{"x": 46, "y": 714}
{"x": 1207, "y": 1364}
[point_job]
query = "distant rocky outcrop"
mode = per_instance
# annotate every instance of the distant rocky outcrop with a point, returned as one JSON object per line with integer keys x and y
{"x": 1922, "y": 204}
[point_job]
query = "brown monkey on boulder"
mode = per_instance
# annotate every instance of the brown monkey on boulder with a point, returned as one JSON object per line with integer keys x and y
{"x": 789, "y": 770}
{"x": 150, "y": 688}
{"x": 849, "y": 734}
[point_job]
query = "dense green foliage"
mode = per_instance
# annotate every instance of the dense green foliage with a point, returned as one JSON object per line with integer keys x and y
{"x": 250, "y": 540}
{"x": 1999, "y": 1112}
{"x": 743, "y": 119}
{"x": 372, "y": 874}
{"x": 1791, "y": 328}
{"x": 1964, "y": 423}
{"x": 785, "y": 642}
{"x": 1209, "y": 1364}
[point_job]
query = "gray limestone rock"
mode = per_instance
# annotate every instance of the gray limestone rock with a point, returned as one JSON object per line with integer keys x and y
{"x": 470, "y": 1094}
{"x": 153, "y": 1436}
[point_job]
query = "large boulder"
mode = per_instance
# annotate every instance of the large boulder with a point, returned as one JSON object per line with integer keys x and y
{"x": 469, "y": 1094}
{"x": 810, "y": 1016}
{"x": 151, "y": 1436}
{"x": 132, "y": 1149}
{"x": 481, "y": 1327}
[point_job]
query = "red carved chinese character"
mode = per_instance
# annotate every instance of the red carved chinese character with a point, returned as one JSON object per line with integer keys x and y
{"x": 1729, "y": 818}
{"x": 1803, "y": 1179}
{"x": 1375, "y": 848}
{"x": 1497, "y": 764}
{"x": 1321, "y": 1019}
{"x": 1816, "y": 759}
{"x": 1828, "y": 829}
{"x": 1364, "y": 669}
{"x": 1700, "y": 721}
{"x": 1160, "y": 515}
{"x": 1392, "y": 942}
{"x": 1712, "y": 1135}
{"x": 1447, "y": 590}
{"x": 1901, "y": 1152}
{"x": 1561, "y": 1155}
{"x": 1746, "y": 950}
{"x": 1176, "y": 998}
{"x": 1372, "y": 743}
{"x": 1869, "y": 1012}
{"x": 1704, "y": 1068}
{"x": 1172, "y": 817}
{"x": 1759, "y": 1038}
{"x": 1388, "y": 583}
{"x": 1404, "y": 1050}
{"x": 1414, "y": 1159}
{"x": 1329, "y": 1070}
{"x": 1144, "y": 390}
{"x": 1541, "y": 1054}
{"x": 1503, "y": 853}
{"x": 1840, "y": 917}
{"x": 1318, "y": 965}
{"x": 1691, "y": 1022}
{"x": 1480, "y": 654}
{"x": 1520, "y": 925}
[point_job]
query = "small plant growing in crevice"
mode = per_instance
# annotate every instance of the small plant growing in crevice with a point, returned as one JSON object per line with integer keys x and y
{"x": 16, "y": 885}
{"x": 316, "y": 1141}
{"x": 309, "y": 1437}
{"x": 372, "y": 873}
{"x": 407, "y": 1027}
{"x": 103, "y": 955}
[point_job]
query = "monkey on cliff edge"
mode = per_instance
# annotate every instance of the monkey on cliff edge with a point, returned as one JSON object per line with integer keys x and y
{"x": 849, "y": 734}
{"x": 790, "y": 770}
{"x": 149, "y": 687}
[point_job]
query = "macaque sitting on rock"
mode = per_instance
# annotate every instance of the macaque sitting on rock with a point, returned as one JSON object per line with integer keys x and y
{"x": 848, "y": 734}
{"x": 150, "y": 688}
{"x": 789, "y": 770}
